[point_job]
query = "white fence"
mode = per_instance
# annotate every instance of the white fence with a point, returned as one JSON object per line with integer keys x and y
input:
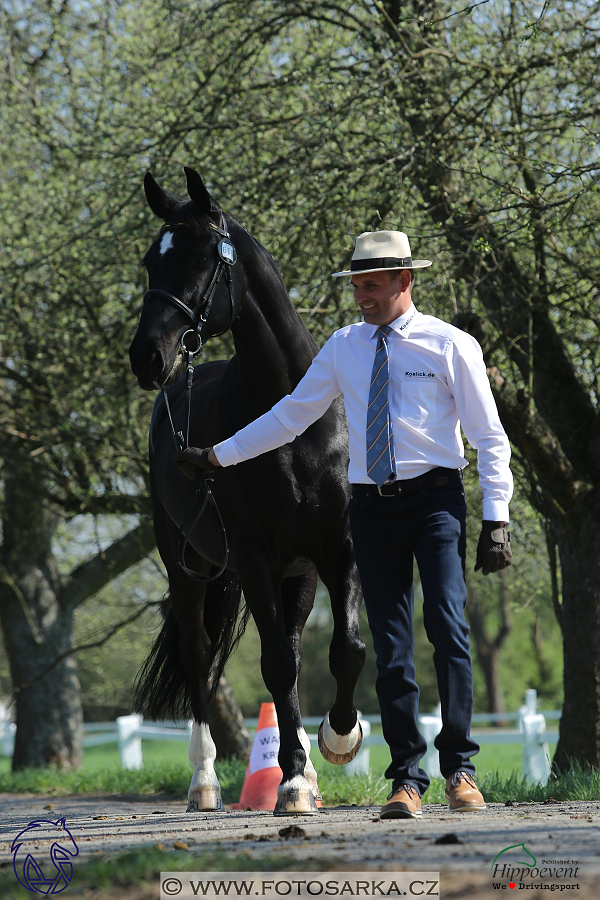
{"x": 129, "y": 731}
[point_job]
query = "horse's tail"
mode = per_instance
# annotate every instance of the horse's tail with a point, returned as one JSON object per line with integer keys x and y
{"x": 161, "y": 689}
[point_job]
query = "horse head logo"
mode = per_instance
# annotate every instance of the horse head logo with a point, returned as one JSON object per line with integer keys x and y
{"x": 517, "y": 848}
{"x": 28, "y": 870}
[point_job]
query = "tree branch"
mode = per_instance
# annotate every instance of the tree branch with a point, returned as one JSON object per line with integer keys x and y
{"x": 110, "y": 504}
{"x": 538, "y": 443}
{"x": 88, "y": 578}
{"x": 20, "y": 688}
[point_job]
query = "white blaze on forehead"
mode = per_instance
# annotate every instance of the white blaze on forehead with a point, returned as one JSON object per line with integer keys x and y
{"x": 166, "y": 242}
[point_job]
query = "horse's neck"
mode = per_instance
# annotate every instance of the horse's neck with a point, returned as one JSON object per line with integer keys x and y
{"x": 273, "y": 348}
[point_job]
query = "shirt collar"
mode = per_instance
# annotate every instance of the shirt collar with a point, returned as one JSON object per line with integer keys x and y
{"x": 403, "y": 324}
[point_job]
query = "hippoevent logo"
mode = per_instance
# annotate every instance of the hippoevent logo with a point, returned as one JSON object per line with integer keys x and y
{"x": 28, "y": 869}
{"x": 516, "y": 868}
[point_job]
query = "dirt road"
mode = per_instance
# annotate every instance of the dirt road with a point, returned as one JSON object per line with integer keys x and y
{"x": 462, "y": 847}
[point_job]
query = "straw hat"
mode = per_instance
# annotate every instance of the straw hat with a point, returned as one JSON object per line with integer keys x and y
{"x": 378, "y": 251}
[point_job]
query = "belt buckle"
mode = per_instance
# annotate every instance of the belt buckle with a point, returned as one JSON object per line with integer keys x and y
{"x": 392, "y": 484}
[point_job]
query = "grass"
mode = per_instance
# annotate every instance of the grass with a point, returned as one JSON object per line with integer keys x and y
{"x": 163, "y": 775}
{"x": 167, "y": 771}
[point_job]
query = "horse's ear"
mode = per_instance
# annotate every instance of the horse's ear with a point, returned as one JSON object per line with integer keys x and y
{"x": 198, "y": 193}
{"x": 160, "y": 202}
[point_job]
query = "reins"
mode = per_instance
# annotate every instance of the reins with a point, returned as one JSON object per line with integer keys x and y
{"x": 226, "y": 259}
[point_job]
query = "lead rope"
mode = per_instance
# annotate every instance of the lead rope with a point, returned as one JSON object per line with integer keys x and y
{"x": 202, "y": 490}
{"x": 177, "y": 435}
{"x": 202, "y": 486}
{"x": 182, "y": 538}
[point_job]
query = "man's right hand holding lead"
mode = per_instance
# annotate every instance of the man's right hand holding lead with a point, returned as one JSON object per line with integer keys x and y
{"x": 194, "y": 461}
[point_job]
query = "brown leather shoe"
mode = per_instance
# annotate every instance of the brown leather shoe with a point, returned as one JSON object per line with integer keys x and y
{"x": 462, "y": 793}
{"x": 402, "y": 803}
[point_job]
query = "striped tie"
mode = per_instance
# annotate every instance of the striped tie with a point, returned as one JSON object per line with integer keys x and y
{"x": 381, "y": 459}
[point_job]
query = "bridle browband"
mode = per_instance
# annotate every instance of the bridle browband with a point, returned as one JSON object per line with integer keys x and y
{"x": 226, "y": 259}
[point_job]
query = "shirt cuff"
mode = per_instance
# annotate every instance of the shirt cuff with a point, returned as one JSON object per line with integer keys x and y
{"x": 227, "y": 452}
{"x": 495, "y": 511}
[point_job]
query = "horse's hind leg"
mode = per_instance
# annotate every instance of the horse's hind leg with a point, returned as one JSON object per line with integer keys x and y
{"x": 204, "y": 794}
{"x": 340, "y": 734}
{"x": 173, "y": 681}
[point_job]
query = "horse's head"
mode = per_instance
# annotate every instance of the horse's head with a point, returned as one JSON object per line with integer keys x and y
{"x": 190, "y": 271}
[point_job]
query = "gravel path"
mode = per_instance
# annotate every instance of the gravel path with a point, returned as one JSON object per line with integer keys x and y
{"x": 461, "y": 847}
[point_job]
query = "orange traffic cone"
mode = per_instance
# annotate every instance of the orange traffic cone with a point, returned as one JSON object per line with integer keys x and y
{"x": 263, "y": 774}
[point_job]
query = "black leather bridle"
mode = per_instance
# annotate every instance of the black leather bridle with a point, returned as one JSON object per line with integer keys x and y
{"x": 226, "y": 259}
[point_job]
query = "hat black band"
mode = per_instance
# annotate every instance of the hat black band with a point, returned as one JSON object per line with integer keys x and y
{"x": 382, "y": 262}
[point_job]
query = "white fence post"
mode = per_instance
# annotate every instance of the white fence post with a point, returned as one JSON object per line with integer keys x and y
{"x": 130, "y": 744}
{"x": 361, "y": 762}
{"x": 536, "y": 757}
{"x": 7, "y": 738}
{"x": 430, "y": 726}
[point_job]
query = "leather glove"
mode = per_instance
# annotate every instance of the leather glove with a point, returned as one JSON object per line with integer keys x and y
{"x": 193, "y": 462}
{"x": 493, "y": 549}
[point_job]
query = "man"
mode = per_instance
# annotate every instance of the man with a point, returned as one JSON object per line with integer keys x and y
{"x": 409, "y": 382}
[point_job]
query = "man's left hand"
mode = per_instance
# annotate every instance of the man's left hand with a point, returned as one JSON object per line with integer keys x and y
{"x": 493, "y": 549}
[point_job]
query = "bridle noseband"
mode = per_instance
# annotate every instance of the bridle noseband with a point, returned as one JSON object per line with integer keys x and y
{"x": 226, "y": 259}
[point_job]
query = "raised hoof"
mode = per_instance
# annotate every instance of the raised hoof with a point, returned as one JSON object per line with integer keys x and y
{"x": 205, "y": 799}
{"x": 295, "y": 801}
{"x": 341, "y": 747}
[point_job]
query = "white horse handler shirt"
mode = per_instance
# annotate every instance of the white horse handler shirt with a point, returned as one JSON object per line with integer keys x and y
{"x": 438, "y": 383}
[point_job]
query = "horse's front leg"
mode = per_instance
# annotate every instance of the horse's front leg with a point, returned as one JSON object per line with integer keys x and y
{"x": 280, "y": 664}
{"x": 297, "y": 598}
{"x": 340, "y": 734}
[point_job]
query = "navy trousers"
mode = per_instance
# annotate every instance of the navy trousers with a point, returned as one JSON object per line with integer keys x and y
{"x": 388, "y": 533}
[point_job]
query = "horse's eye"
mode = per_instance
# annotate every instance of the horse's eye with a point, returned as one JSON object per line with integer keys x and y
{"x": 201, "y": 261}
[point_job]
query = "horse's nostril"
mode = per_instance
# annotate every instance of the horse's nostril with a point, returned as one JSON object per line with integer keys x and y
{"x": 147, "y": 365}
{"x": 155, "y": 364}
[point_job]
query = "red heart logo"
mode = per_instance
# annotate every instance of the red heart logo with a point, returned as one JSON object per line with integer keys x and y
{"x": 511, "y": 886}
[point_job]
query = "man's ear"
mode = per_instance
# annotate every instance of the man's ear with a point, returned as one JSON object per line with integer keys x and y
{"x": 405, "y": 279}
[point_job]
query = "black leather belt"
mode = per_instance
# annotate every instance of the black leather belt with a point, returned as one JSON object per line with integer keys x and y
{"x": 438, "y": 477}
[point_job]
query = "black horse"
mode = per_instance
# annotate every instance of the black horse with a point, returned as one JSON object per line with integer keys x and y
{"x": 284, "y": 513}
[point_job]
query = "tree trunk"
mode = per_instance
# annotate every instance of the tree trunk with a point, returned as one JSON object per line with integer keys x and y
{"x": 487, "y": 648}
{"x": 49, "y": 714}
{"x": 36, "y": 614}
{"x": 579, "y": 736}
{"x": 37, "y": 630}
{"x": 227, "y": 724}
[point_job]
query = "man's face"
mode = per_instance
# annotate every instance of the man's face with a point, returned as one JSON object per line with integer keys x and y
{"x": 382, "y": 296}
